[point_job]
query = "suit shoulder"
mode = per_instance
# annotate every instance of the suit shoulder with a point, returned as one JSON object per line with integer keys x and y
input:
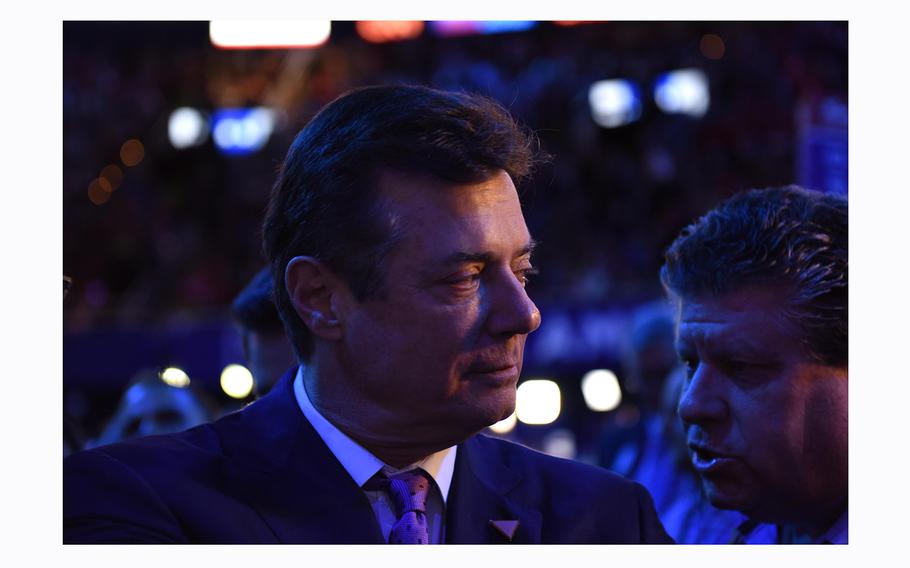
{"x": 576, "y": 495}
{"x": 162, "y": 457}
{"x": 202, "y": 439}
{"x": 535, "y": 463}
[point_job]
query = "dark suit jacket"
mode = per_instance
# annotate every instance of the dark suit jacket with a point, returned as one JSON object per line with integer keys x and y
{"x": 263, "y": 475}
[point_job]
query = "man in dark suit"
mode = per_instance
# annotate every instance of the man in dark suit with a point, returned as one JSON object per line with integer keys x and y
{"x": 399, "y": 254}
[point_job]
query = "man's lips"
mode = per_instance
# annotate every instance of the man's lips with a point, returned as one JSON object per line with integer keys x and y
{"x": 499, "y": 372}
{"x": 490, "y": 367}
{"x": 707, "y": 460}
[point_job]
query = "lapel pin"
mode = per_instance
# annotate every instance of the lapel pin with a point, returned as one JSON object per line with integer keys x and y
{"x": 505, "y": 528}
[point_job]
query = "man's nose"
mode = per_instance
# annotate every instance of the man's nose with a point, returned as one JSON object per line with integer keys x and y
{"x": 702, "y": 398}
{"x": 511, "y": 310}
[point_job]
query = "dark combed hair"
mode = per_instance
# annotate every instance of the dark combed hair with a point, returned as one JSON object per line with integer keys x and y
{"x": 323, "y": 203}
{"x": 787, "y": 237}
{"x": 254, "y": 307}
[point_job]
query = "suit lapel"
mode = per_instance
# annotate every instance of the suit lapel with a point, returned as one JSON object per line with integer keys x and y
{"x": 479, "y": 509}
{"x": 278, "y": 465}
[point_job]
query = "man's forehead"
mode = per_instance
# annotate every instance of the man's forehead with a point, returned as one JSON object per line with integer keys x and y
{"x": 486, "y": 256}
{"x": 743, "y": 303}
{"x": 449, "y": 218}
{"x": 719, "y": 335}
{"x": 752, "y": 318}
{"x": 397, "y": 187}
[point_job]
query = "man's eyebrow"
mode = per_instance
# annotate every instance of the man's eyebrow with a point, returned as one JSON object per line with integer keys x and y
{"x": 485, "y": 256}
{"x": 720, "y": 344}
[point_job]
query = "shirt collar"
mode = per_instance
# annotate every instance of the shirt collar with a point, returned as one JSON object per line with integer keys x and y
{"x": 360, "y": 464}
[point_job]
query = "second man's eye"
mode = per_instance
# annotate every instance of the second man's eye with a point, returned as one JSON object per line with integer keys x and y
{"x": 524, "y": 274}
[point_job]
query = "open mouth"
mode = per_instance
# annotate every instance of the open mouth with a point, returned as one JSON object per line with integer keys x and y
{"x": 704, "y": 459}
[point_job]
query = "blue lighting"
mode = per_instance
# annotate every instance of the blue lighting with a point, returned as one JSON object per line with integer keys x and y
{"x": 614, "y": 102}
{"x": 241, "y": 131}
{"x": 683, "y": 92}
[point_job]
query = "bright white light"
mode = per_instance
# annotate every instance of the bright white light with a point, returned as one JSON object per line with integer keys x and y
{"x": 175, "y": 377}
{"x": 505, "y": 425}
{"x": 236, "y": 381}
{"x": 269, "y": 34}
{"x": 683, "y": 92}
{"x": 186, "y": 127}
{"x": 600, "y": 388}
{"x": 241, "y": 131}
{"x": 537, "y": 402}
{"x": 614, "y": 102}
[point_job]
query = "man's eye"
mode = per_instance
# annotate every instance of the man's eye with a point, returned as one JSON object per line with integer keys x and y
{"x": 464, "y": 281}
{"x": 524, "y": 274}
{"x": 747, "y": 373}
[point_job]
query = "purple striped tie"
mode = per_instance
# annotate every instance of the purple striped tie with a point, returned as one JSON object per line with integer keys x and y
{"x": 409, "y": 491}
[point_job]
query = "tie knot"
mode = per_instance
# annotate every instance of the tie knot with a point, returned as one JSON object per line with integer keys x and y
{"x": 409, "y": 491}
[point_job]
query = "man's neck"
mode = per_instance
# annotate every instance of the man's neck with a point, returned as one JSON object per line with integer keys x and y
{"x": 369, "y": 428}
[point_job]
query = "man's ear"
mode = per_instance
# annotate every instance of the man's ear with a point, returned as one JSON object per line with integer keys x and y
{"x": 315, "y": 291}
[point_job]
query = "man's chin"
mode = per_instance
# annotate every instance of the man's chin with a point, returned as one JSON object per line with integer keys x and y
{"x": 482, "y": 416}
{"x": 726, "y": 495}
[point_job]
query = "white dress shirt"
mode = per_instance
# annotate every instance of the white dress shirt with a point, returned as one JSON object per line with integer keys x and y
{"x": 361, "y": 465}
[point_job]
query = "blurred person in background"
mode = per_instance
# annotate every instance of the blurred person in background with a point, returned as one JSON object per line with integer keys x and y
{"x": 399, "y": 254}
{"x": 150, "y": 407}
{"x": 266, "y": 347}
{"x": 648, "y": 361}
{"x": 760, "y": 286}
{"x": 651, "y": 449}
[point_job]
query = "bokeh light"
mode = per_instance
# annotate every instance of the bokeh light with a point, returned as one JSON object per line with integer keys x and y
{"x": 712, "y": 46}
{"x": 187, "y": 127}
{"x": 99, "y": 191}
{"x": 601, "y": 391}
{"x": 113, "y": 174}
{"x": 237, "y": 381}
{"x": 538, "y": 401}
{"x": 560, "y": 443}
{"x": 377, "y": 31}
{"x": 505, "y": 425}
{"x": 132, "y": 152}
{"x": 683, "y": 92}
{"x": 269, "y": 34}
{"x": 175, "y": 377}
{"x": 614, "y": 102}
{"x": 239, "y": 131}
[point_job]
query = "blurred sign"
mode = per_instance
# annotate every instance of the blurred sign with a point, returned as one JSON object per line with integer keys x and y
{"x": 269, "y": 34}
{"x": 452, "y": 28}
{"x": 822, "y": 153}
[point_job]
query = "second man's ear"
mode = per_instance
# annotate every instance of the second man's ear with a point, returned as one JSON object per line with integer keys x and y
{"x": 313, "y": 287}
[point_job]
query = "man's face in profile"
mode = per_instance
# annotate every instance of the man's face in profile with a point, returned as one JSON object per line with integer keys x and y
{"x": 766, "y": 425}
{"x": 438, "y": 352}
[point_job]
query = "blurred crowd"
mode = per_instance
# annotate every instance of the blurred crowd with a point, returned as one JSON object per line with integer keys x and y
{"x": 180, "y": 234}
